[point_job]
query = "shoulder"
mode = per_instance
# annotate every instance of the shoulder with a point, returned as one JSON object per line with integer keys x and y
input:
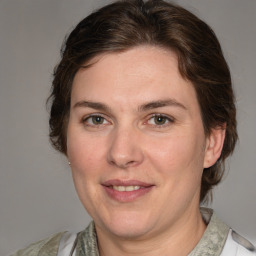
{"x": 45, "y": 247}
{"x": 238, "y": 245}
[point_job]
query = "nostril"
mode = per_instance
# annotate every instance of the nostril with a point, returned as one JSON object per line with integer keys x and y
{"x": 131, "y": 163}
{"x": 123, "y": 165}
{"x": 128, "y": 164}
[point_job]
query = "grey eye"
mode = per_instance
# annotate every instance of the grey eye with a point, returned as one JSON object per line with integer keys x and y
{"x": 160, "y": 120}
{"x": 97, "y": 120}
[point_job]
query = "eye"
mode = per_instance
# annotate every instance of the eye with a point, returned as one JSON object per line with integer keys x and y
{"x": 160, "y": 120}
{"x": 95, "y": 120}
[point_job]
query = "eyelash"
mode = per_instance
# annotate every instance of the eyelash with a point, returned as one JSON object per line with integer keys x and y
{"x": 167, "y": 120}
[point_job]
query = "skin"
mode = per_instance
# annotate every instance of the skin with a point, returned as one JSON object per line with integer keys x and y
{"x": 126, "y": 142}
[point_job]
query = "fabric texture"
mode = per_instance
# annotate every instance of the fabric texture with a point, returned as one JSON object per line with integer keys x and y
{"x": 46, "y": 247}
{"x": 214, "y": 237}
{"x": 237, "y": 246}
{"x": 67, "y": 245}
{"x": 87, "y": 242}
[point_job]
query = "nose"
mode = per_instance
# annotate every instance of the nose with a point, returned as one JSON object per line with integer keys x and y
{"x": 125, "y": 149}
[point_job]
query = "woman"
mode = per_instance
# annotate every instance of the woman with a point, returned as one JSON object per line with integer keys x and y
{"x": 143, "y": 108}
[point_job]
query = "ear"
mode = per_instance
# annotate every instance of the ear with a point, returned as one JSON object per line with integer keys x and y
{"x": 214, "y": 145}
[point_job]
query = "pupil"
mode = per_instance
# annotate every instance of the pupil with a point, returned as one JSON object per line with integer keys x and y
{"x": 97, "y": 120}
{"x": 160, "y": 120}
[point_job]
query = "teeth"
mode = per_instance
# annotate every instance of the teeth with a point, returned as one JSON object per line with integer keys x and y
{"x": 126, "y": 188}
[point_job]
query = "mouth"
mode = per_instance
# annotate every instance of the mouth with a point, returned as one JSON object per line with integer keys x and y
{"x": 126, "y": 188}
{"x": 126, "y": 191}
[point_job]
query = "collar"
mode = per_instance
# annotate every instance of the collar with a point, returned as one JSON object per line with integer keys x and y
{"x": 87, "y": 242}
{"x": 211, "y": 243}
{"x": 214, "y": 237}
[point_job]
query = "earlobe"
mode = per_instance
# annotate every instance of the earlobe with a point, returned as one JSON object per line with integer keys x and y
{"x": 214, "y": 145}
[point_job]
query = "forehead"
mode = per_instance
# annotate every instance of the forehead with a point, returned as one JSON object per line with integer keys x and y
{"x": 143, "y": 73}
{"x": 137, "y": 61}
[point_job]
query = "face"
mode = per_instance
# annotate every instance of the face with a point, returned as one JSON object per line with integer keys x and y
{"x": 136, "y": 142}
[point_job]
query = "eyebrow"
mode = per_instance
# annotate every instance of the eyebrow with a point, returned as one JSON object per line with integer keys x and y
{"x": 144, "y": 107}
{"x": 160, "y": 104}
{"x": 94, "y": 105}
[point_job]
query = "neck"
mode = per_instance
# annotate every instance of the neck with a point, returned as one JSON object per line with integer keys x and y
{"x": 179, "y": 240}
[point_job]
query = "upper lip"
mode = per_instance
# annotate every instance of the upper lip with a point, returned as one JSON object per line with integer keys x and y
{"x": 117, "y": 182}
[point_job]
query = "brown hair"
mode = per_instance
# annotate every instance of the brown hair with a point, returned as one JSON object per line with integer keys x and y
{"x": 130, "y": 23}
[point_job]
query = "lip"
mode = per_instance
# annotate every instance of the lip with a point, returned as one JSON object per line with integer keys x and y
{"x": 126, "y": 196}
{"x": 116, "y": 182}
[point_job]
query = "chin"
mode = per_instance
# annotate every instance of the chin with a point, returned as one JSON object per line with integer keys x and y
{"x": 128, "y": 231}
{"x": 130, "y": 226}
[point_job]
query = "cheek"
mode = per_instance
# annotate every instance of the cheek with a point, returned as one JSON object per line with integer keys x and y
{"x": 84, "y": 152}
{"x": 177, "y": 150}
{"x": 179, "y": 157}
{"x": 86, "y": 162}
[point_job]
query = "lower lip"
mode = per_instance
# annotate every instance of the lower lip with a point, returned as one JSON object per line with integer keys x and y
{"x": 126, "y": 196}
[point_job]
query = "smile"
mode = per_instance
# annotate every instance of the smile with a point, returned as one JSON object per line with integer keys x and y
{"x": 126, "y": 191}
{"x": 126, "y": 188}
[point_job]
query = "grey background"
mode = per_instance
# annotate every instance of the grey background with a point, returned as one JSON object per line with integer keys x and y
{"x": 37, "y": 197}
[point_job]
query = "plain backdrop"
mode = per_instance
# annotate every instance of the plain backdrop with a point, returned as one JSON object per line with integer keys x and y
{"x": 37, "y": 197}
